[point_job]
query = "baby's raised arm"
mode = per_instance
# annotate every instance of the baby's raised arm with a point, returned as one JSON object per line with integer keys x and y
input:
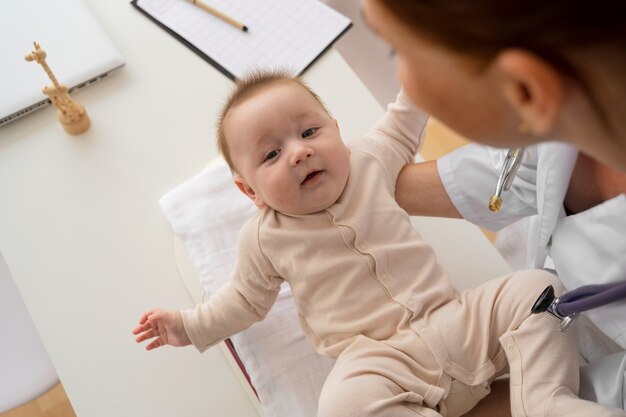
{"x": 400, "y": 132}
{"x": 164, "y": 327}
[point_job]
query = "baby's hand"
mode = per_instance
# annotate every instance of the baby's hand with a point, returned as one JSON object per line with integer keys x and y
{"x": 165, "y": 325}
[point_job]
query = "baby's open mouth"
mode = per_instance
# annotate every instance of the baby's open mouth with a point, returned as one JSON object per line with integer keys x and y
{"x": 311, "y": 177}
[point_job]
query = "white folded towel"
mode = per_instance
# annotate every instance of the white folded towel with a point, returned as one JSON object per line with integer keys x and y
{"x": 206, "y": 212}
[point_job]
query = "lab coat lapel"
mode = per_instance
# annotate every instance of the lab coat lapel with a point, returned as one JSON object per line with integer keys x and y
{"x": 554, "y": 168}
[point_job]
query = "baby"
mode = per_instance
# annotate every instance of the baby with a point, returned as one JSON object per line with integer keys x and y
{"x": 368, "y": 289}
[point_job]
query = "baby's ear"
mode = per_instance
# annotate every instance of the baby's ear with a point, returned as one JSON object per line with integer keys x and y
{"x": 245, "y": 188}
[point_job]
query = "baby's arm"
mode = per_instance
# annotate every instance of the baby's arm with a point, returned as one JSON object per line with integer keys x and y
{"x": 226, "y": 313}
{"x": 237, "y": 305}
{"x": 244, "y": 300}
{"x": 401, "y": 129}
{"x": 396, "y": 137}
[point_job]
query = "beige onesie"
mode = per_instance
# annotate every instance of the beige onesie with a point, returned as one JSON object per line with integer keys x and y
{"x": 370, "y": 292}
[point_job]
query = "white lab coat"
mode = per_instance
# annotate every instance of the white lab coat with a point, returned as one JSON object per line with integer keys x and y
{"x": 470, "y": 174}
{"x": 585, "y": 248}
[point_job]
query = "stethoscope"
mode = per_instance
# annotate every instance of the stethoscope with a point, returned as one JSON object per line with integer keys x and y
{"x": 508, "y": 171}
{"x": 568, "y": 306}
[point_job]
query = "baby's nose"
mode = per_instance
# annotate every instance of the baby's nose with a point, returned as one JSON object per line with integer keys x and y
{"x": 300, "y": 154}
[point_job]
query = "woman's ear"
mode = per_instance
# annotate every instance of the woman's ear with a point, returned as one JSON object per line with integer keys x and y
{"x": 245, "y": 188}
{"x": 533, "y": 87}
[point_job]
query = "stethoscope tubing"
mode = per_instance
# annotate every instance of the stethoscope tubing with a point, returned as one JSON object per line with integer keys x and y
{"x": 590, "y": 296}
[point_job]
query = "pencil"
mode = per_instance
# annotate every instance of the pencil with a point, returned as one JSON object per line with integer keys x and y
{"x": 220, "y": 15}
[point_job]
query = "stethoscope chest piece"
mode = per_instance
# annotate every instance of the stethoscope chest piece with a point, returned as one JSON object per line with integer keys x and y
{"x": 544, "y": 301}
{"x": 548, "y": 302}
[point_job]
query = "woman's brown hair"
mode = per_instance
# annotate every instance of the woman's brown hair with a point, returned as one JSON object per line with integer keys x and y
{"x": 550, "y": 29}
{"x": 484, "y": 27}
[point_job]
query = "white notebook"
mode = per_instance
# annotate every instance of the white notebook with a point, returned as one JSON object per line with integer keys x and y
{"x": 282, "y": 34}
{"x": 79, "y": 52}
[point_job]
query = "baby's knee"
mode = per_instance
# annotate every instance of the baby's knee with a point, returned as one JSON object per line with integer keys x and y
{"x": 538, "y": 277}
{"x": 341, "y": 401}
{"x": 532, "y": 282}
{"x": 370, "y": 396}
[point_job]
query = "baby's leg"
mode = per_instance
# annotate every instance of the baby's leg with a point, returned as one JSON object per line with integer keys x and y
{"x": 544, "y": 367}
{"x": 370, "y": 379}
{"x": 474, "y": 334}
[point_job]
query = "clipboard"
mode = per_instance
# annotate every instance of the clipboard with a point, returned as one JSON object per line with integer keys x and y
{"x": 283, "y": 34}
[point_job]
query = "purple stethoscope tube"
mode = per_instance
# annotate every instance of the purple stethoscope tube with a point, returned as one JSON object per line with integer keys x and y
{"x": 590, "y": 296}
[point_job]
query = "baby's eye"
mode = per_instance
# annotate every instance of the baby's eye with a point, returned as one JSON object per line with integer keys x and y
{"x": 308, "y": 132}
{"x": 271, "y": 155}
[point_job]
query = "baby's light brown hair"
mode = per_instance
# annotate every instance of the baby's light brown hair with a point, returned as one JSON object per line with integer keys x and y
{"x": 243, "y": 89}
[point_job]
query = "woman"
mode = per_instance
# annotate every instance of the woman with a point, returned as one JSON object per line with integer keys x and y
{"x": 547, "y": 76}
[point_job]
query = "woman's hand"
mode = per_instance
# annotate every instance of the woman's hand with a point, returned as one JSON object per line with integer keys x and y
{"x": 166, "y": 326}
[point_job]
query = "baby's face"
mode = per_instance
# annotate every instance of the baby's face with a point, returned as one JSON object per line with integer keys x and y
{"x": 287, "y": 150}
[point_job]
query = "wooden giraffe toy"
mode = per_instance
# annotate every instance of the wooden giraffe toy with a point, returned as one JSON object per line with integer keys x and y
{"x": 72, "y": 115}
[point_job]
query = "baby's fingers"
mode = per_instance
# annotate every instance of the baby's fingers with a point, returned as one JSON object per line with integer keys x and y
{"x": 145, "y": 316}
{"x": 155, "y": 344}
{"x": 142, "y": 328}
{"x": 146, "y": 335}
